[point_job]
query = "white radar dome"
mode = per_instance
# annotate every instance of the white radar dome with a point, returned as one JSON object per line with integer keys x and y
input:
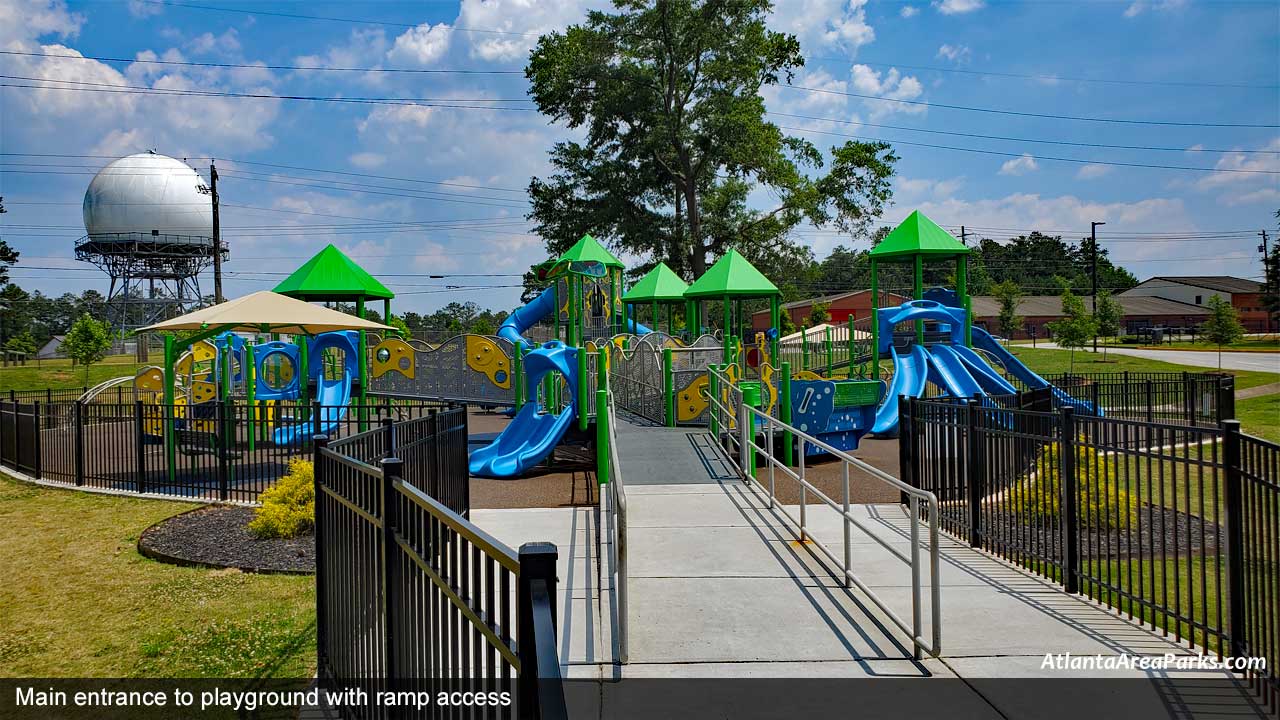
{"x": 149, "y": 194}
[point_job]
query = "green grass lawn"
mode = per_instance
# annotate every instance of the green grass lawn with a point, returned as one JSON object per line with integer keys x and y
{"x": 59, "y": 374}
{"x": 77, "y": 600}
{"x": 1047, "y": 362}
{"x": 1260, "y": 416}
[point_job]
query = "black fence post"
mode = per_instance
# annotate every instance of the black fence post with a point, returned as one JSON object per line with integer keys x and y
{"x": 221, "y": 446}
{"x": 315, "y": 419}
{"x": 1151, "y": 402}
{"x": 1069, "y": 486}
{"x": 392, "y": 470}
{"x": 78, "y": 447}
{"x": 537, "y": 565}
{"x": 1188, "y": 398}
{"x": 435, "y": 464}
{"x": 388, "y": 437}
{"x": 139, "y": 447}
{"x": 974, "y": 471}
{"x": 906, "y": 468}
{"x": 1235, "y": 536}
{"x": 319, "y": 443}
{"x": 1226, "y": 398}
{"x": 37, "y": 462}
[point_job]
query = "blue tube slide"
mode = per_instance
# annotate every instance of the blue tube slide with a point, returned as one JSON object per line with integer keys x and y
{"x": 949, "y": 372}
{"x": 910, "y": 372}
{"x": 333, "y": 395}
{"x": 983, "y": 341}
{"x": 532, "y": 434}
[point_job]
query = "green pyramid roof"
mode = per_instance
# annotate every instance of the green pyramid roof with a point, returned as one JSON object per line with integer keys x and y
{"x": 589, "y": 249}
{"x": 731, "y": 276}
{"x": 917, "y": 235}
{"x": 331, "y": 275}
{"x": 661, "y": 284}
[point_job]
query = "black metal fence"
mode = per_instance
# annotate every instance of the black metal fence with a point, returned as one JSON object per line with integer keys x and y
{"x": 20, "y": 437}
{"x": 1175, "y": 526}
{"x": 1184, "y": 398}
{"x": 222, "y": 451}
{"x": 411, "y": 596}
{"x": 119, "y": 394}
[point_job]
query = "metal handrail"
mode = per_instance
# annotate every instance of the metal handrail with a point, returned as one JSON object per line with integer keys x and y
{"x": 617, "y": 515}
{"x": 105, "y": 385}
{"x": 747, "y": 419}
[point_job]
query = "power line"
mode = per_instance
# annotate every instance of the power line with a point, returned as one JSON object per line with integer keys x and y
{"x": 252, "y": 66}
{"x": 1021, "y": 113}
{"x": 1049, "y": 78}
{"x": 1018, "y": 139}
{"x": 1082, "y": 161}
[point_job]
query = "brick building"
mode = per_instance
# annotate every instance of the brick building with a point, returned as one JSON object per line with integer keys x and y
{"x": 1137, "y": 312}
{"x": 1244, "y": 295}
{"x": 841, "y": 305}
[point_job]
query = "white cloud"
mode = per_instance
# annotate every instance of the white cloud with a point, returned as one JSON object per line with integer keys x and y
{"x": 422, "y": 45}
{"x": 1091, "y": 171}
{"x": 143, "y": 9}
{"x": 1138, "y": 7}
{"x": 228, "y": 43}
{"x": 1270, "y": 196}
{"x": 958, "y": 7}
{"x": 824, "y": 23}
{"x": 1019, "y": 165}
{"x": 515, "y": 25}
{"x": 367, "y": 160}
{"x": 891, "y": 85}
{"x": 397, "y": 122}
{"x": 909, "y": 11}
{"x": 31, "y": 19}
{"x": 1256, "y": 165}
{"x": 955, "y": 53}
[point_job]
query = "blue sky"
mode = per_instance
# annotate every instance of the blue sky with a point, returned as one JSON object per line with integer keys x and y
{"x": 1171, "y": 61}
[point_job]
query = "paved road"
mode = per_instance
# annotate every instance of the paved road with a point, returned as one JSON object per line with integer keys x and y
{"x": 1266, "y": 362}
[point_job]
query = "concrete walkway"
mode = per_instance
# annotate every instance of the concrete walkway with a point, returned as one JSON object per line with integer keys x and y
{"x": 1261, "y": 361}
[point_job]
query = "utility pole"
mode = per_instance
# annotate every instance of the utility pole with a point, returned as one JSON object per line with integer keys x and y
{"x": 1267, "y": 271}
{"x": 217, "y": 235}
{"x": 963, "y": 237}
{"x": 1093, "y": 238}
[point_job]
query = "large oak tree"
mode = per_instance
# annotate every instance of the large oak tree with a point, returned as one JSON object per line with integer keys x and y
{"x": 675, "y": 153}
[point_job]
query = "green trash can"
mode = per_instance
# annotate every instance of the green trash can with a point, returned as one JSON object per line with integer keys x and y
{"x": 751, "y": 397}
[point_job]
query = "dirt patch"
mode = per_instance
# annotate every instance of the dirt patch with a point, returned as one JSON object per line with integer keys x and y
{"x": 218, "y": 536}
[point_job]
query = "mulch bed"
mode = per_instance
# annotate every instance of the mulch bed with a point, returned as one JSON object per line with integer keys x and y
{"x": 1159, "y": 531}
{"x": 218, "y": 536}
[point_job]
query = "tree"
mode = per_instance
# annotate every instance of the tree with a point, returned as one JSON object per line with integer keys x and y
{"x": 1223, "y": 326}
{"x": 400, "y": 325}
{"x": 1271, "y": 283}
{"x": 819, "y": 313}
{"x": 666, "y": 95}
{"x": 1076, "y": 327}
{"x": 21, "y": 342}
{"x": 1107, "y": 315}
{"x": 1008, "y": 293}
{"x": 87, "y": 342}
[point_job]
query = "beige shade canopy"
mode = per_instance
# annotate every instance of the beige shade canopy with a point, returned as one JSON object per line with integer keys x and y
{"x": 264, "y": 312}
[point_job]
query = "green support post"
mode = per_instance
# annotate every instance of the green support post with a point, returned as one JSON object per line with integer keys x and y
{"x": 962, "y": 289}
{"x": 555, "y": 296}
{"x": 775, "y": 321}
{"x": 571, "y": 332}
{"x": 751, "y": 398}
{"x": 602, "y": 368}
{"x": 726, "y": 331}
{"x": 713, "y": 389}
{"x": 830, "y": 348}
{"x": 363, "y": 368}
{"x": 224, "y": 432}
{"x": 804, "y": 348}
{"x": 851, "y": 345}
{"x": 602, "y": 437}
{"x": 304, "y": 372}
{"x": 668, "y": 389}
{"x": 583, "y": 380}
{"x": 517, "y": 375}
{"x": 784, "y": 413}
{"x": 918, "y": 294}
{"x": 653, "y": 316}
{"x": 875, "y": 322}
{"x": 167, "y": 413}
{"x": 255, "y": 425}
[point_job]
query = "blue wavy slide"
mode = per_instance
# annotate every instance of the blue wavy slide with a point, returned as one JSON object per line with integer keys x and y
{"x": 910, "y": 373}
{"x": 983, "y": 341}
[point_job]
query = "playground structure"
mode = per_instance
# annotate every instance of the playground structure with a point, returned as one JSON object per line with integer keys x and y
{"x": 233, "y": 386}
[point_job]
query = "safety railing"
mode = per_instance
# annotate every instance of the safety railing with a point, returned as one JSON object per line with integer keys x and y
{"x": 613, "y": 503}
{"x": 727, "y": 402}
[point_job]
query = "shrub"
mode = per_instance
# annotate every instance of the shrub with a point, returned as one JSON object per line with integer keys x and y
{"x": 1101, "y": 503}
{"x": 288, "y": 507}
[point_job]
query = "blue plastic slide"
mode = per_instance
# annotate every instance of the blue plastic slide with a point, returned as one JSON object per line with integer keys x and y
{"x": 983, "y": 341}
{"x": 532, "y": 434}
{"x": 950, "y": 373}
{"x": 910, "y": 372}
{"x": 333, "y": 395}
{"x": 990, "y": 380}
